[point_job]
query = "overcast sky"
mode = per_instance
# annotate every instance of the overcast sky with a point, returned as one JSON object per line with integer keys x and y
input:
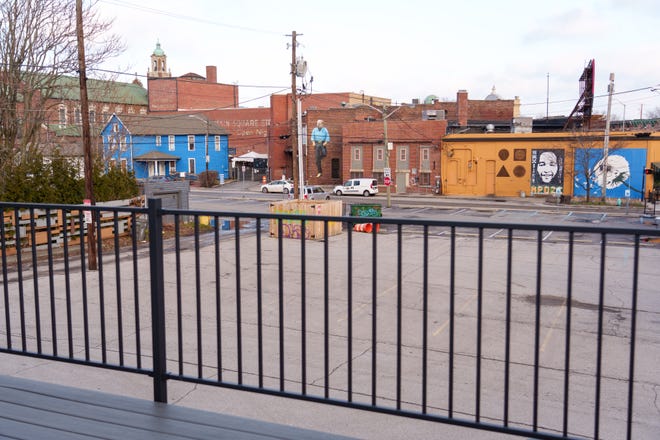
{"x": 406, "y": 49}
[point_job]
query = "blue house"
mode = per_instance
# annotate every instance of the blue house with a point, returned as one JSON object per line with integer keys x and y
{"x": 166, "y": 145}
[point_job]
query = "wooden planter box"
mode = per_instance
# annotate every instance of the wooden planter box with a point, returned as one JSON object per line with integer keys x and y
{"x": 314, "y": 230}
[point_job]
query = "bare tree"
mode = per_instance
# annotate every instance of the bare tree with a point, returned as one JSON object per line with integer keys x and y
{"x": 38, "y": 46}
{"x": 587, "y": 150}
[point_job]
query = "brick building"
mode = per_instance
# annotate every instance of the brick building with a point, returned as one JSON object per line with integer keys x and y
{"x": 357, "y": 132}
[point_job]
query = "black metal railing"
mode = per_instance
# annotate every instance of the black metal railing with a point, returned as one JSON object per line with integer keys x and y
{"x": 515, "y": 328}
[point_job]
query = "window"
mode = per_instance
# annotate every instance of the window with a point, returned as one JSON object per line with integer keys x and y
{"x": 356, "y": 154}
{"x": 403, "y": 154}
{"x": 217, "y": 143}
{"x": 380, "y": 154}
{"x": 124, "y": 164}
{"x": 335, "y": 167}
{"x": 62, "y": 116}
{"x": 92, "y": 116}
{"x": 115, "y": 127}
{"x": 356, "y": 174}
{"x": 191, "y": 142}
{"x": 158, "y": 141}
{"x": 170, "y": 142}
{"x": 424, "y": 179}
{"x": 77, "y": 116}
{"x": 191, "y": 165}
{"x": 379, "y": 175}
{"x": 425, "y": 154}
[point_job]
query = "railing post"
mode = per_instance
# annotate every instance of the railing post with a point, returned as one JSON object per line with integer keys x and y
{"x": 157, "y": 299}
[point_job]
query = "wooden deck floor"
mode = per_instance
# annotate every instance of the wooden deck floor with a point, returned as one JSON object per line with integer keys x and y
{"x": 37, "y": 410}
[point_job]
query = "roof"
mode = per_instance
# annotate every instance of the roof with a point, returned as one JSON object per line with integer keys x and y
{"x": 249, "y": 157}
{"x": 145, "y": 125}
{"x": 68, "y": 88}
{"x": 156, "y": 155}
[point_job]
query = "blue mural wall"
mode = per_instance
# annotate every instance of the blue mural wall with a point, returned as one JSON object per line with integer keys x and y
{"x": 625, "y": 170}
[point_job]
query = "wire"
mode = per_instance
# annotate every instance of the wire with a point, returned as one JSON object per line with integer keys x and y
{"x": 185, "y": 17}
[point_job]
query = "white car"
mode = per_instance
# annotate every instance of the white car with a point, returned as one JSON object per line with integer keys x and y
{"x": 360, "y": 187}
{"x": 277, "y": 186}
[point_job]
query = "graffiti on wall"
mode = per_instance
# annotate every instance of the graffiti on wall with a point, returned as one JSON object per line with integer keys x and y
{"x": 547, "y": 175}
{"x": 624, "y": 171}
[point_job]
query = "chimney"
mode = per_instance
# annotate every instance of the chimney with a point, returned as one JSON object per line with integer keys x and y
{"x": 462, "y": 107}
{"x": 211, "y": 74}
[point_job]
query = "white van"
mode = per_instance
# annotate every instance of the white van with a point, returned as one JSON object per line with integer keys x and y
{"x": 362, "y": 187}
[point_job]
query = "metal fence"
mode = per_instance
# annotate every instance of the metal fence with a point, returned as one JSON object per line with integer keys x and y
{"x": 524, "y": 329}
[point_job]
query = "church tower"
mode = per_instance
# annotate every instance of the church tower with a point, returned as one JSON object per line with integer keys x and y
{"x": 158, "y": 67}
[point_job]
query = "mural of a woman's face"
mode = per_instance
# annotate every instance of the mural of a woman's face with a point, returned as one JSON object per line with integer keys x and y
{"x": 547, "y": 166}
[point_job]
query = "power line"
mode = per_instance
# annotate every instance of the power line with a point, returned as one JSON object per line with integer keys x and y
{"x": 186, "y": 17}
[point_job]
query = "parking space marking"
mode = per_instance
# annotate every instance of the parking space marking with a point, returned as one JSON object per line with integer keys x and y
{"x": 494, "y": 234}
{"x": 460, "y": 211}
{"x": 463, "y": 307}
{"x": 547, "y": 337}
{"x": 362, "y": 306}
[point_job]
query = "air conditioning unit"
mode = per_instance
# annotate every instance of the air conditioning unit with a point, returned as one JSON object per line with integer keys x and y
{"x": 432, "y": 115}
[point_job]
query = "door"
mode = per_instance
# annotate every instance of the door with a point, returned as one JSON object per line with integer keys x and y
{"x": 490, "y": 177}
{"x": 401, "y": 182}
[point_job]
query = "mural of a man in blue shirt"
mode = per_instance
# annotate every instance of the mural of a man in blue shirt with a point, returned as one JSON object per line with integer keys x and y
{"x": 320, "y": 140}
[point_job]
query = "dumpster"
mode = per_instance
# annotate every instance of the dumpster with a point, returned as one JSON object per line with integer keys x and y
{"x": 366, "y": 210}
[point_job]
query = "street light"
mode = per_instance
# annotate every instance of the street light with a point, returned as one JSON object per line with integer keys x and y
{"x": 206, "y": 145}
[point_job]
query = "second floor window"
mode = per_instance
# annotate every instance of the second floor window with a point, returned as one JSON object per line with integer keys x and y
{"x": 191, "y": 142}
{"x": 77, "y": 117}
{"x": 217, "y": 143}
{"x": 158, "y": 141}
{"x": 62, "y": 116}
{"x": 170, "y": 140}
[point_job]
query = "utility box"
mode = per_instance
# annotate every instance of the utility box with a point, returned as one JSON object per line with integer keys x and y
{"x": 314, "y": 230}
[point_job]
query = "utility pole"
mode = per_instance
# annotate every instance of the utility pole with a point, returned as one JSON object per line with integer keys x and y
{"x": 606, "y": 142}
{"x": 294, "y": 124}
{"x": 87, "y": 144}
{"x": 387, "y": 170}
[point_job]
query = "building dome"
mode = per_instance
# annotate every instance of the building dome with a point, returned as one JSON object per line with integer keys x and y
{"x": 158, "y": 51}
{"x": 430, "y": 99}
{"x": 493, "y": 95}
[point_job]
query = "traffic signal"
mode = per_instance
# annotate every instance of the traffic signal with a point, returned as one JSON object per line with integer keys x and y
{"x": 648, "y": 171}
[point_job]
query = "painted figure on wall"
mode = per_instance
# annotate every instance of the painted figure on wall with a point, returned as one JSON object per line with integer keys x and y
{"x": 624, "y": 173}
{"x": 320, "y": 139}
{"x": 547, "y": 171}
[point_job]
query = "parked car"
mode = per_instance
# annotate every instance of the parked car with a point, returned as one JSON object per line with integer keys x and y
{"x": 315, "y": 192}
{"x": 277, "y": 186}
{"x": 363, "y": 186}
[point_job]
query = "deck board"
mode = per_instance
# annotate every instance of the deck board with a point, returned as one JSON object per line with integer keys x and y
{"x": 31, "y": 410}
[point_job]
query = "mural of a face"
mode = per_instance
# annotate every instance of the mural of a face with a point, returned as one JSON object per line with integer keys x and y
{"x": 547, "y": 166}
{"x": 618, "y": 171}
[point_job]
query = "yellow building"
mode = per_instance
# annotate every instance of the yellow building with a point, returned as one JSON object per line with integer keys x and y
{"x": 530, "y": 164}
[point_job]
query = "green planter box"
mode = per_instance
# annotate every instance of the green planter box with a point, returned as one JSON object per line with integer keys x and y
{"x": 370, "y": 210}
